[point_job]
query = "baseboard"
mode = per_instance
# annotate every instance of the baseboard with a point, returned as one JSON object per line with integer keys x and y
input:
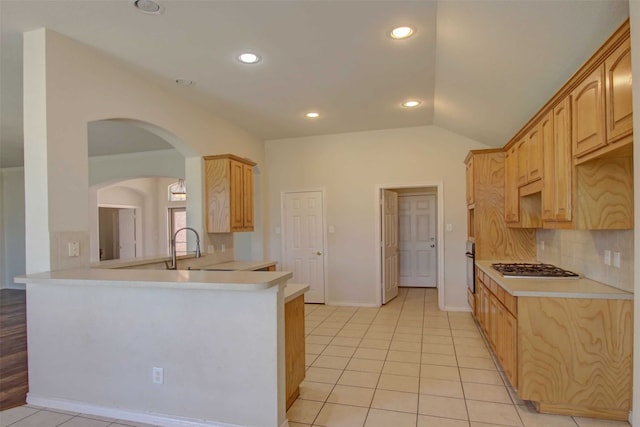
{"x": 15, "y": 286}
{"x": 351, "y": 304}
{"x": 467, "y": 309}
{"x": 163, "y": 420}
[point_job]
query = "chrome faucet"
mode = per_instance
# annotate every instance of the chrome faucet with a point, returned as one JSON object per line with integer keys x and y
{"x": 174, "y": 265}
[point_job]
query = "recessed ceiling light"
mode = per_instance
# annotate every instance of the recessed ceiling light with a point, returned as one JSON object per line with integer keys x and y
{"x": 402, "y": 32}
{"x": 249, "y": 58}
{"x": 184, "y": 82}
{"x": 148, "y": 6}
{"x": 411, "y": 103}
{"x": 312, "y": 115}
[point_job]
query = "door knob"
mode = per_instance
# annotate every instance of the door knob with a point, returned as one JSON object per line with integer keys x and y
{"x": 318, "y": 253}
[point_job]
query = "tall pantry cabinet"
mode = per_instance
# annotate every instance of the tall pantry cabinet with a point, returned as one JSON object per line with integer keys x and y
{"x": 486, "y": 225}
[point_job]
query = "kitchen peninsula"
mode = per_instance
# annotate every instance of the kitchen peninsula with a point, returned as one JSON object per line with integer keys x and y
{"x": 160, "y": 346}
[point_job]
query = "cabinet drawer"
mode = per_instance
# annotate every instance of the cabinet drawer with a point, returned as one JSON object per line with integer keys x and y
{"x": 500, "y": 294}
{"x": 493, "y": 287}
{"x": 481, "y": 276}
{"x": 510, "y": 302}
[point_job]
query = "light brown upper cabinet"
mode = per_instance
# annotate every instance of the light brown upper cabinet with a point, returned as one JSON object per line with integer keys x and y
{"x": 557, "y": 182}
{"x": 618, "y": 93}
{"x": 529, "y": 153}
{"x": 511, "y": 197}
{"x": 572, "y": 163}
{"x": 522, "y": 149}
{"x": 534, "y": 152}
{"x": 229, "y": 193}
{"x": 587, "y": 107}
{"x": 602, "y": 109}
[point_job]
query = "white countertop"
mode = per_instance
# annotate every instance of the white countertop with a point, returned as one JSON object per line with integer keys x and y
{"x": 182, "y": 279}
{"x": 558, "y": 288}
{"x": 238, "y": 266}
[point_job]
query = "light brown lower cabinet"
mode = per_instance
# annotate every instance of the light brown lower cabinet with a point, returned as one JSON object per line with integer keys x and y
{"x": 570, "y": 356}
{"x": 294, "y": 347}
{"x": 500, "y": 326}
{"x": 575, "y": 355}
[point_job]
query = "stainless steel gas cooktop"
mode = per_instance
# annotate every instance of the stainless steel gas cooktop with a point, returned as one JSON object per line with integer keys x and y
{"x": 533, "y": 270}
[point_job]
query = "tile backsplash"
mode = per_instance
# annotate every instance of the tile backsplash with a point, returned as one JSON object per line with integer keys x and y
{"x": 582, "y": 251}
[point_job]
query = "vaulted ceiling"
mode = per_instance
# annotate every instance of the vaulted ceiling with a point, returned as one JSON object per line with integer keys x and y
{"x": 480, "y": 68}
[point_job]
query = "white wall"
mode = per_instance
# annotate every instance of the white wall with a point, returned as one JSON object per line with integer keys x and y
{"x": 102, "y": 170}
{"x": 350, "y": 167}
{"x": 67, "y": 85}
{"x": 12, "y": 226}
{"x": 109, "y": 169}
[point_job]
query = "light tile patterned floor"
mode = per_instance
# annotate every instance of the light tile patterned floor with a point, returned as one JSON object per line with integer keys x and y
{"x": 33, "y": 416}
{"x": 407, "y": 364}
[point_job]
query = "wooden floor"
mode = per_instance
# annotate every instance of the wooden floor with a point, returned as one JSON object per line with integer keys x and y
{"x": 13, "y": 348}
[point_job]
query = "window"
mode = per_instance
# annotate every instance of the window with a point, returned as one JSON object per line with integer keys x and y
{"x": 178, "y": 220}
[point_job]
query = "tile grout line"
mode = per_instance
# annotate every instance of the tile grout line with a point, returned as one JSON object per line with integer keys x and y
{"x": 350, "y": 358}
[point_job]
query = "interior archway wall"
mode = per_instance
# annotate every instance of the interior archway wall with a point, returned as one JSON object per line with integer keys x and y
{"x": 67, "y": 85}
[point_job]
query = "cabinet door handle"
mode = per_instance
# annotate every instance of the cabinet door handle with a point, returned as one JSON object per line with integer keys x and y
{"x": 317, "y": 253}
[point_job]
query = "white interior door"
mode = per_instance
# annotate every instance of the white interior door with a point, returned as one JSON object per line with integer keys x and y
{"x": 303, "y": 238}
{"x": 127, "y": 233}
{"x": 389, "y": 245}
{"x": 417, "y": 240}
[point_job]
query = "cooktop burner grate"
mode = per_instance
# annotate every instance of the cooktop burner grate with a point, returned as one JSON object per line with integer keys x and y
{"x": 529, "y": 270}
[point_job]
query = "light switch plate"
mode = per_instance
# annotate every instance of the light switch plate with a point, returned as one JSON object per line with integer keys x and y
{"x": 607, "y": 257}
{"x": 74, "y": 249}
{"x": 616, "y": 259}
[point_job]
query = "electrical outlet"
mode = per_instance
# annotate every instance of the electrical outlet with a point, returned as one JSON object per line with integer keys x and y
{"x": 210, "y": 249}
{"x": 607, "y": 257}
{"x": 449, "y": 227}
{"x": 222, "y": 248}
{"x": 542, "y": 245}
{"x": 157, "y": 375}
{"x": 616, "y": 259}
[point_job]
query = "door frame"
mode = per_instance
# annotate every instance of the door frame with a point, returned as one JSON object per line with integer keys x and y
{"x": 325, "y": 236}
{"x": 138, "y": 223}
{"x": 439, "y": 186}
